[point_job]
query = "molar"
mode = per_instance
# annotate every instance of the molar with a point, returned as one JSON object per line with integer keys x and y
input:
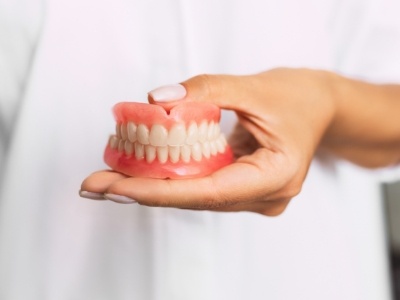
{"x": 139, "y": 151}
{"x": 220, "y": 145}
{"x": 158, "y": 135}
{"x": 124, "y": 132}
{"x": 113, "y": 142}
{"x": 143, "y": 134}
{"x": 128, "y": 147}
{"x": 213, "y": 148}
{"x": 118, "y": 130}
{"x": 121, "y": 145}
{"x": 210, "y": 131}
{"x": 177, "y": 135}
{"x": 132, "y": 128}
{"x": 206, "y": 149}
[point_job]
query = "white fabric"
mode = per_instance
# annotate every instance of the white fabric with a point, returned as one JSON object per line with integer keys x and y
{"x": 329, "y": 244}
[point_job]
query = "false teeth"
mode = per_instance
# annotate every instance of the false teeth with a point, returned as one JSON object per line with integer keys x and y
{"x": 175, "y": 144}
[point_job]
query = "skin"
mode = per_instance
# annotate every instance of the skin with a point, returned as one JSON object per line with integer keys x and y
{"x": 285, "y": 116}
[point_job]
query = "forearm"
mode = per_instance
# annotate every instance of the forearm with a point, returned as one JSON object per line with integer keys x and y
{"x": 366, "y": 126}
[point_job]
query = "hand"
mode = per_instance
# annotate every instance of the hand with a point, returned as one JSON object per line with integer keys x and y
{"x": 284, "y": 116}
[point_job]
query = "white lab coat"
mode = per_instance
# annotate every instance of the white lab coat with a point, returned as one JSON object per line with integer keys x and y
{"x": 64, "y": 63}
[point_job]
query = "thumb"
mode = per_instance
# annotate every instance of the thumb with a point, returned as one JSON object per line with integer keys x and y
{"x": 225, "y": 91}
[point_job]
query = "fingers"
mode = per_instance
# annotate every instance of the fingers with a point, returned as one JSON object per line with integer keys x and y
{"x": 95, "y": 185}
{"x": 241, "y": 182}
{"x": 225, "y": 91}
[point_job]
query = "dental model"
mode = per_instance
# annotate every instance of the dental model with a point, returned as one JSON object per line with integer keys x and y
{"x": 185, "y": 142}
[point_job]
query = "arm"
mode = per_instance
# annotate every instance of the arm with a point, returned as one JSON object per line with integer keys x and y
{"x": 285, "y": 115}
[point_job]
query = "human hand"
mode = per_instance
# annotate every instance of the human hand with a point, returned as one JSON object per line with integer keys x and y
{"x": 283, "y": 114}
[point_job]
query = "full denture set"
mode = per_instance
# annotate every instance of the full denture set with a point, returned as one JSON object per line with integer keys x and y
{"x": 151, "y": 142}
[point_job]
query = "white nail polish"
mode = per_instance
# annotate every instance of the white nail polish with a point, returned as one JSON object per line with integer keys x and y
{"x": 119, "y": 199}
{"x": 91, "y": 195}
{"x": 167, "y": 93}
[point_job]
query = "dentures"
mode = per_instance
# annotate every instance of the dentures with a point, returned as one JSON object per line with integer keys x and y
{"x": 150, "y": 142}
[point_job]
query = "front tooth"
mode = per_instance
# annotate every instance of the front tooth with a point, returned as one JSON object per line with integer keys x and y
{"x": 162, "y": 154}
{"x": 113, "y": 142}
{"x": 185, "y": 153}
{"x": 192, "y": 134}
{"x": 128, "y": 148}
{"x": 121, "y": 145}
{"x": 203, "y": 130}
{"x": 158, "y": 135}
{"x": 139, "y": 151}
{"x": 210, "y": 130}
{"x": 124, "y": 132}
{"x": 196, "y": 152}
{"x": 131, "y": 128}
{"x": 150, "y": 153}
{"x": 206, "y": 149}
{"x": 177, "y": 135}
{"x": 143, "y": 134}
{"x": 118, "y": 130}
{"x": 174, "y": 153}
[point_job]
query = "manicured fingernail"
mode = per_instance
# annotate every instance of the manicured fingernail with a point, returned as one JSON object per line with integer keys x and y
{"x": 91, "y": 195}
{"x": 171, "y": 92}
{"x": 119, "y": 199}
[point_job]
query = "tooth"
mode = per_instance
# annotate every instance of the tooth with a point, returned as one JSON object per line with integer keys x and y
{"x": 206, "y": 149}
{"x": 174, "y": 153}
{"x": 139, "y": 151}
{"x": 220, "y": 145}
{"x": 158, "y": 135}
{"x": 150, "y": 153}
{"x": 162, "y": 154}
{"x": 121, "y": 145}
{"x": 118, "y": 130}
{"x": 217, "y": 131}
{"x": 113, "y": 141}
{"x": 132, "y": 132}
{"x": 203, "y": 129}
{"x": 196, "y": 152}
{"x": 192, "y": 134}
{"x": 177, "y": 135}
{"x": 223, "y": 140}
{"x": 213, "y": 148}
{"x": 124, "y": 133}
{"x": 143, "y": 134}
{"x": 185, "y": 153}
{"x": 210, "y": 130}
{"x": 128, "y": 148}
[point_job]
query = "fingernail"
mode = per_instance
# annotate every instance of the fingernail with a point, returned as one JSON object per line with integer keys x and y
{"x": 91, "y": 195}
{"x": 171, "y": 92}
{"x": 119, "y": 199}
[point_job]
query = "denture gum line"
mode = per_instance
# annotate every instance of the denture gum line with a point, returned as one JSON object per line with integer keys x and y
{"x": 177, "y": 143}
